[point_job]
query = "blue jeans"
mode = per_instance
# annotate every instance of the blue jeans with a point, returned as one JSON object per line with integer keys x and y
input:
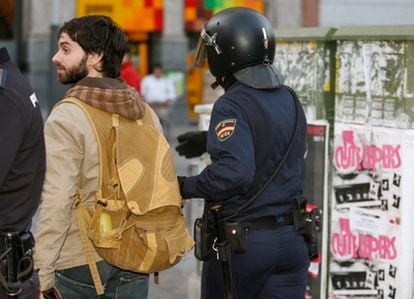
{"x": 275, "y": 265}
{"x": 75, "y": 283}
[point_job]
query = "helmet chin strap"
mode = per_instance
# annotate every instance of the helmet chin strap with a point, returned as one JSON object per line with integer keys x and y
{"x": 219, "y": 82}
{"x": 224, "y": 81}
{"x": 215, "y": 84}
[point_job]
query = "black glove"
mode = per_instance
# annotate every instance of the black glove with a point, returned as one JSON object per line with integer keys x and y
{"x": 192, "y": 144}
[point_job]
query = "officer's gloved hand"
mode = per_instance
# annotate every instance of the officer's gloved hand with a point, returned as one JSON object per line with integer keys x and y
{"x": 192, "y": 144}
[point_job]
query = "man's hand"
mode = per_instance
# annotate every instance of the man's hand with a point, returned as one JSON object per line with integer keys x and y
{"x": 52, "y": 293}
{"x": 192, "y": 144}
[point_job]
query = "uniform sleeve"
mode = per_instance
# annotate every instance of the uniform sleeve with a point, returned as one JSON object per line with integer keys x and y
{"x": 11, "y": 135}
{"x": 230, "y": 146}
{"x": 64, "y": 149}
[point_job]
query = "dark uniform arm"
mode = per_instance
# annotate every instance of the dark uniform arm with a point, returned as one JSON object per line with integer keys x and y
{"x": 11, "y": 134}
{"x": 22, "y": 161}
{"x": 230, "y": 146}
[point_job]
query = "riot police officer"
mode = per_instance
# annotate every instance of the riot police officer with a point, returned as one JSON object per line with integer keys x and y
{"x": 251, "y": 127}
{"x": 22, "y": 168}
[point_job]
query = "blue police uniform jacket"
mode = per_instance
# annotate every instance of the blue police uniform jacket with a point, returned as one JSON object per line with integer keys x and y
{"x": 22, "y": 151}
{"x": 250, "y": 130}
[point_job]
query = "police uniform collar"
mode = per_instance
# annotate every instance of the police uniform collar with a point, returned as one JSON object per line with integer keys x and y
{"x": 4, "y": 55}
{"x": 261, "y": 76}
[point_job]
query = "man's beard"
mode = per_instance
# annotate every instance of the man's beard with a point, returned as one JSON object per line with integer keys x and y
{"x": 75, "y": 73}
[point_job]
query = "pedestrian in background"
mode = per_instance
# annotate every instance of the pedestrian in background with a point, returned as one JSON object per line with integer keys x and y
{"x": 22, "y": 169}
{"x": 90, "y": 51}
{"x": 252, "y": 126}
{"x": 129, "y": 73}
{"x": 159, "y": 92}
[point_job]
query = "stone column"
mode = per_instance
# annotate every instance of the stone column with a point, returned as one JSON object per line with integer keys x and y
{"x": 45, "y": 16}
{"x": 173, "y": 52}
{"x": 283, "y": 13}
{"x": 174, "y": 43}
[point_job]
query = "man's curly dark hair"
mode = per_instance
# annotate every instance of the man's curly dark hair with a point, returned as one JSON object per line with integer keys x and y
{"x": 99, "y": 34}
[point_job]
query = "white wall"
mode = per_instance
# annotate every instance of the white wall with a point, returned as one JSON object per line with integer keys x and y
{"x": 337, "y": 13}
{"x": 284, "y": 13}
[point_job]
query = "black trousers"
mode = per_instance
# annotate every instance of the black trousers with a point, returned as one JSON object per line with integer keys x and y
{"x": 274, "y": 266}
{"x": 30, "y": 289}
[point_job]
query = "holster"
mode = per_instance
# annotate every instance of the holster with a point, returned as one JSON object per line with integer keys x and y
{"x": 205, "y": 236}
{"x": 307, "y": 224}
{"x": 16, "y": 262}
{"x": 204, "y": 239}
{"x": 236, "y": 236}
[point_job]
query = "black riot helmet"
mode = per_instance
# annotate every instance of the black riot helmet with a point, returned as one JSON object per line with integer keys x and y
{"x": 239, "y": 41}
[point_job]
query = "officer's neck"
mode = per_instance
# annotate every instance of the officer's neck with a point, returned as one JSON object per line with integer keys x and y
{"x": 227, "y": 81}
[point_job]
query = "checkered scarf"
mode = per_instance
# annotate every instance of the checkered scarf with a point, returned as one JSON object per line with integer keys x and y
{"x": 110, "y": 95}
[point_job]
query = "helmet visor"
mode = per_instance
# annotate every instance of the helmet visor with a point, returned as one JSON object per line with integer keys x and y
{"x": 205, "y": 40}
{"x": 200, "y": 53}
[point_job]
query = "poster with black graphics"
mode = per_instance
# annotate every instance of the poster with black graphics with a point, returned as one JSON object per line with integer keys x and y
{"x": 316, "y": 192}
{"x": 371, "y": 239}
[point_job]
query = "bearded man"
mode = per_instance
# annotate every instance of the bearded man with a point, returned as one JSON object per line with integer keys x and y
{"x": 90, "y": 52}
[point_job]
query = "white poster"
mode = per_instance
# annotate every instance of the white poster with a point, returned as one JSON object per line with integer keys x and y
{"x": 371, "y": 239}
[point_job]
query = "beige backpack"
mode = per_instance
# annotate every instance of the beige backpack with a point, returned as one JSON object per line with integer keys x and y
{"x": 137, "y": 222}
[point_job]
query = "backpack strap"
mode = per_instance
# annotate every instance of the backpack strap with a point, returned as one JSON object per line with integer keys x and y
{"x": 82, "y": 214}
{"x": 83, "y": 106}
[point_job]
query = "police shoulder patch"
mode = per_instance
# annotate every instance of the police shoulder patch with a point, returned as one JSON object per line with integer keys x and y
{"x": 225, "y": 129}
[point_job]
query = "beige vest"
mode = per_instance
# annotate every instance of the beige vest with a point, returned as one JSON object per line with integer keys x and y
{"x": 137, "y": 223}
